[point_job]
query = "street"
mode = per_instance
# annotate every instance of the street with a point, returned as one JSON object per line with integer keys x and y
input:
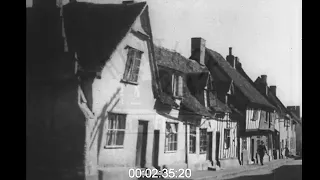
{"x": 290, "y": 171}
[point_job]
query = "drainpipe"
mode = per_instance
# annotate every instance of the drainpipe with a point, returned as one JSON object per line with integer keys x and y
{"x": 186, "y": 141}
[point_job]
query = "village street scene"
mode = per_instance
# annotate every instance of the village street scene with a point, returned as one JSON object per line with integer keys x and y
{"x": 116, "y": 91}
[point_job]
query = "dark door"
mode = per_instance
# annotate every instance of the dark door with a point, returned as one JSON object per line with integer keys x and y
{"x": 141, "y": 144}
{"x": 217, "y": 147}
{"x": 155, "y": 153}
{"x": 209, "y": 152}
{"x": 252, "y": 149}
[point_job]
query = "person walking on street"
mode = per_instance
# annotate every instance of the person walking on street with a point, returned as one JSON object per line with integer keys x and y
{"x": 287, "y": 152}
{"x": 262, "y": 150}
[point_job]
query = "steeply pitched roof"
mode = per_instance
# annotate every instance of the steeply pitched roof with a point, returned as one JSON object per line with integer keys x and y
{"x": 176, "y": 61}
{"x": 94, "y": 30}
{"x": 241, "y": 82}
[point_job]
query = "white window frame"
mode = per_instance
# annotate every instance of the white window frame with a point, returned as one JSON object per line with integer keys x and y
{"x": 171, "y": 137}
{"x": 193, "y": 134}
{"x": 177, "y": 85}
{"x": 203, "y": 140}
{"x": 132, "y": 65}
{"x": 113, "y": 131}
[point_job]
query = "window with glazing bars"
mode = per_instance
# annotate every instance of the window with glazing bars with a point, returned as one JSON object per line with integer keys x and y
{"x": 171, "y": 139}
{"x": 116, "y": 130}
{"x": 132, "y": 68}
{"x": 203, "y": 140}
{"x": 192, "y": 137}
{"x": 177, "y": 85}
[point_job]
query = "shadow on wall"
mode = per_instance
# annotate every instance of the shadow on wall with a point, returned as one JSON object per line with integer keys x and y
{"x": 286, "y": 172}
{"x": 98, "y": 129}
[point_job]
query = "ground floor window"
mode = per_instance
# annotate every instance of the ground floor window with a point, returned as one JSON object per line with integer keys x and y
{"x": 203, "y": 140}
{"x": 116, "y": 129}
{"x": 192, "y": 137}
{"x": 171, "y": 140}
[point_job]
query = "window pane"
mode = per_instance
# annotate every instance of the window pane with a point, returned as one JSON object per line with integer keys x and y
{"x": 129, "y": 64}
{"x": 122, "y": 122}
{"x": 173, "y": 84}
{"x": 180, "y": 86}
{"x": 111, "y": 124}
{"x": 138, "y": 55}
{"x": 109, "y": 137}
{"x": 120, "y": 137}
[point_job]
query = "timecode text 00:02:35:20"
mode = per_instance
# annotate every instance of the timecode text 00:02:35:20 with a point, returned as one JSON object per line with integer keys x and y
{"x": 154, "y": 173}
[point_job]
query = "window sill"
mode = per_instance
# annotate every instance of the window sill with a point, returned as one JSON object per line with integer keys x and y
{"x": 170, "y": 151}
{"x": 128, "y": 82}
{"x": 113, "y": 147}
{"x": 203, "y": 152}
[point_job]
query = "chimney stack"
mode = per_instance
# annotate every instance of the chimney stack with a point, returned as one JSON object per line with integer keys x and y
{"x": 198, "y": 49}
{"x": 273, "y": 89}
{"x": 264, "y": 79}
{"x": 231, "y": 59}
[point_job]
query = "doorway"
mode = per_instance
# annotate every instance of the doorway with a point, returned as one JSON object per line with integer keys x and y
{"x": 217, "y": 147}
{"x": 209, "y": 152}
{"x": 252, "y": 149}
{"x": 155, "y": 153}
{"x": 141, "y": 144}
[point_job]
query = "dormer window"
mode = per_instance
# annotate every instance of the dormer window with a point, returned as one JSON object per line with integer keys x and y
{"x": 131, "y": 72}
{"x": 177, "y": 85}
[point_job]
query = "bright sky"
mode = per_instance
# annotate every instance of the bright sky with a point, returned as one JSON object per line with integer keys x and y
{"x": 265, "y": 34}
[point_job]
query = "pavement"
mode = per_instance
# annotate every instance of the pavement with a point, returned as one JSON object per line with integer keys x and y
{"x": 267, "y": 168}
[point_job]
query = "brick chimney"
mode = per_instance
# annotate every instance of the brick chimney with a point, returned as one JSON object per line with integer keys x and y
{"x": 231, "y": 59}
{"x": 264, "y": 79}
{"x": 273, "y": 89}
{"x": 198, "y": 49}
{"x": 263, "y": 85}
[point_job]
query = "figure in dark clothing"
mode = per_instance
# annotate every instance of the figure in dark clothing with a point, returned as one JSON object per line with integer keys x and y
{"x": 287, "y": 152}
{"x": 261, "y": 151}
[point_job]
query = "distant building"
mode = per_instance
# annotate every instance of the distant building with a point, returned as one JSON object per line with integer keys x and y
{"x": 295, "y": 134}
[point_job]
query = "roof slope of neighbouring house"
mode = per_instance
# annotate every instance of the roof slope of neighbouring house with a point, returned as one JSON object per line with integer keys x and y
{"x": 95, "y": 30}
{"x": 173, "y": 60}
{"x": 254, "y": 96}
{"x": 275, "y": 101}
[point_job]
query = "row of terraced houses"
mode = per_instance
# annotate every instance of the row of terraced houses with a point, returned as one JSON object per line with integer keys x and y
{"x": 103, "y": 98}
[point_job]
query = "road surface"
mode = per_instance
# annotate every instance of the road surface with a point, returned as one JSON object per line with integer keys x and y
{"x": 290, "y": 171}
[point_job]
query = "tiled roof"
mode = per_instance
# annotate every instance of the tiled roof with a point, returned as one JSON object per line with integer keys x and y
{"x": 241, "y": 82}
{"x": 94, "y": 30}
